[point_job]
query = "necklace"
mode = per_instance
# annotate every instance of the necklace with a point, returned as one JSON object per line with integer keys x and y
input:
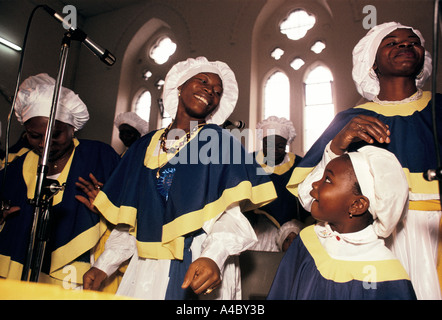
{"x": 414, "y": 97}
{"x": 177, "y": 146}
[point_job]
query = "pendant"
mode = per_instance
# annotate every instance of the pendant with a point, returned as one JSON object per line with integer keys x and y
{"x": 165, "y": 181}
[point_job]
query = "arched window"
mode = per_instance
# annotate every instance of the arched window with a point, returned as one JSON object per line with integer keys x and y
{"x": 142, "y": 105}
{"x": 294, "y": 48}
{"x": 277, "y": 96}
{"x": 319, "y": 109}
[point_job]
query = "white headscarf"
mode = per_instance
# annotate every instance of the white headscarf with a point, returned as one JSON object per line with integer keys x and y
{"x": 34, "y": 99}
{"x": 383, "y": 182}
{"x": 276, "y": 126}
{"x": 287, "y": 228}
{"x": 364, "y": 55}
{"x": 182, "y": 71}
{"x": 134, "y": 120}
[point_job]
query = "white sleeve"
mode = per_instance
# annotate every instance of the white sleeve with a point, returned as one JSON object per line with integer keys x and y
{"x": 227, "y": 235}
{"x": 119, "y": 247}
{"x": 305, "y": 186}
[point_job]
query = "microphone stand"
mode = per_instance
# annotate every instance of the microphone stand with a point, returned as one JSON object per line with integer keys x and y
{"x": 45, "y": 188}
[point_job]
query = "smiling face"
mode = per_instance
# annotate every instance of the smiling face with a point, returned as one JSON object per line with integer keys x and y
{"x": 400, "y": 53}
{"x": 334, "y": 194}
{"x": 200, "y": 96}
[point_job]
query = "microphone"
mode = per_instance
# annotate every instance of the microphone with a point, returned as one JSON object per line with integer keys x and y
{"x": 104, "y": 55}
{"x": 238, "y": 124}
{"x": 433, "y": 174}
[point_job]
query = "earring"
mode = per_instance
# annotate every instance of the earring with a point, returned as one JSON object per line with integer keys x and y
{"x": 350, "y": 215}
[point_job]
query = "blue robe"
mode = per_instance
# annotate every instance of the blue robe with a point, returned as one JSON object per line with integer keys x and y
{"x": 199, "y": 182}
{"x": 75, "y": 229}
{"x": 307, "y": 272}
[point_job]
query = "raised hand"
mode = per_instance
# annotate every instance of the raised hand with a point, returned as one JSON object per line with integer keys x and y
{"x": 360, "y": 128}
{"x": 91, "y": 188}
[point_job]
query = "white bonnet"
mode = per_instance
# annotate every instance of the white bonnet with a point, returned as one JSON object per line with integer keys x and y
{"x": 383, "y": 182}
{"x": 34, "y": 99}
{"x": 364, "y": 55}
{"x": 276, "y": 126}
{"x": 182, "y": 71}
{"x": 288, "y": 227}
{"x": 134, "y": 120}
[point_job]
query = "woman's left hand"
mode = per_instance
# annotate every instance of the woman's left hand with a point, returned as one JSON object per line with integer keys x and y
{"x": 203, "y": 276}
{"x": 91, "y": 188}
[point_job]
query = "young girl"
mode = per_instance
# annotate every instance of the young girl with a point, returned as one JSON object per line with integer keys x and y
{"x": 357, "y": 202}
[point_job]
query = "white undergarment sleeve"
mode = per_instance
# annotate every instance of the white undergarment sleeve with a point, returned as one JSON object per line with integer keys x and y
{"x": 119, "y": 247}
{"x": 227, "y": 235}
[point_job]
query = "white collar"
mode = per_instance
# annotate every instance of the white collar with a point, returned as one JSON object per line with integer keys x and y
{"x": 367, "y": 235}
{"x": 363, "y": 245}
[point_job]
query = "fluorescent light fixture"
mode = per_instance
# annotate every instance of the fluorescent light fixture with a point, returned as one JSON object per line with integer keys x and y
{"x": 9, "y": 44}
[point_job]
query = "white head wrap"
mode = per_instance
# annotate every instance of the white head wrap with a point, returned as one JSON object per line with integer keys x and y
{"x": 383, "y": 182}
{"x": 364, "y": 55}
{"x": 276, "y": 126}
{"x": 134, "y": 120}
{"x": 34, "y": 99}
{"x": 182, "y": 71}
{"x": 288, "y": 227}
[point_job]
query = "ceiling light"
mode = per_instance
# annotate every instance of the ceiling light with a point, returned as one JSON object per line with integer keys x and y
{"x": 9, "y": 44}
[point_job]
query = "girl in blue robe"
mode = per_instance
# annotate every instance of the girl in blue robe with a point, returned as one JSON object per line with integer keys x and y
{"x": 358, "y": 200}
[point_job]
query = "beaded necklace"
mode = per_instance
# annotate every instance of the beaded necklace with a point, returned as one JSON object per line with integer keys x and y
{"x": 175, "y": 148}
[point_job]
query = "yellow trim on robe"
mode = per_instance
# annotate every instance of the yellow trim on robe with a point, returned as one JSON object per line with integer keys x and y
{"x": 172, "y": 244}
{"x": 115, "y": 215}
{"x": 419, "y": 185}
{"x": 295, "y": 180}
{"x": 9, "y": 268}
{"x": 163, "y": 251}
{"x": 425, "y": 205}
{"x": 192, "y": 220}
{"x": 280, "y": 169}
{"x": 403, "y": 110}
{"x": 30, "y": 166}
{"x": 345, "y": 271}
{"x": 59, "y": 258}
{"x": 63, "y": 255}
